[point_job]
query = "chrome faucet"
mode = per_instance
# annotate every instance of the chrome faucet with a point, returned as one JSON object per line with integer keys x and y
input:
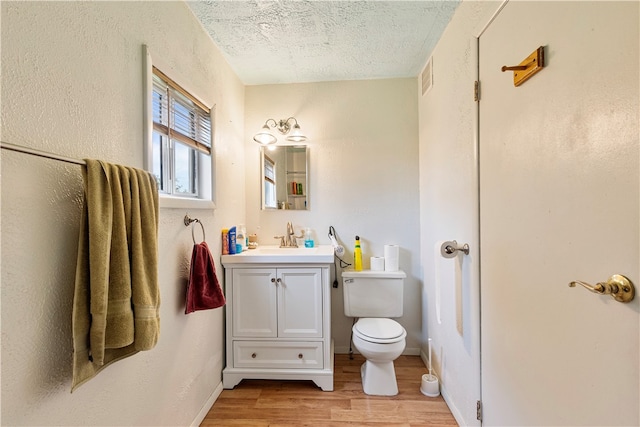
{"x": 289, "y": 240}
{"x": 292, "y": 243}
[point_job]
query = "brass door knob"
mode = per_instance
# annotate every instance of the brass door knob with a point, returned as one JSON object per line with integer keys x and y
{"x": 618, "y": 286}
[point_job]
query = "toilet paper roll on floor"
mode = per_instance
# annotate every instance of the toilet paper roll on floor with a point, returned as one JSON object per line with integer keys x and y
{"x": 391, "y": 257}
{"x": 377, "y": 263}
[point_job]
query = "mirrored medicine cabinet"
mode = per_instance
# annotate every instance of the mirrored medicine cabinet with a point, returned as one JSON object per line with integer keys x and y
{"x": 284, "y": 176}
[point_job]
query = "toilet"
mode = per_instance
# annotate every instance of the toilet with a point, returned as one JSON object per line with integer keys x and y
{"x": 374, "y": 297}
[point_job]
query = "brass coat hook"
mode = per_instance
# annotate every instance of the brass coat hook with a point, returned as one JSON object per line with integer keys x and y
{"x": 527, "y": 68}
{"x": 514, "y": 68}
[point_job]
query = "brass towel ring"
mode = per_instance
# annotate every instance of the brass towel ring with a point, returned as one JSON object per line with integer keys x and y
{"x": 188, "y": 221}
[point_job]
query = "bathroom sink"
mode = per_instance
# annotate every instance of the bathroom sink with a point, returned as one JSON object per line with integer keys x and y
{"x": 322, "y": 254}
{"x": 276, "y": 250}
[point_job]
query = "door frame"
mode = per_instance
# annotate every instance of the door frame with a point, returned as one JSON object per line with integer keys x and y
{"x": 475, "y": 59}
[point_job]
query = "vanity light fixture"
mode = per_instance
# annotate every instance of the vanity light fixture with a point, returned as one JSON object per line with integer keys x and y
{"x": 267, "y": 137}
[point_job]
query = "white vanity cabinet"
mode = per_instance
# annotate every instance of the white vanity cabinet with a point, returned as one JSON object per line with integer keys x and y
{"x": 278, "y": 323}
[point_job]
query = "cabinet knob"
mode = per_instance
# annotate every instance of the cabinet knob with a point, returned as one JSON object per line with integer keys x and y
{"x": 273, "y": 280}
{"x": 300, "y": 356}
{"x": 253, "y": 355}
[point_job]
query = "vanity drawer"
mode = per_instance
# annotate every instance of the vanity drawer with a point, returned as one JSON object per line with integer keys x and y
{"x": 272, "y": 354}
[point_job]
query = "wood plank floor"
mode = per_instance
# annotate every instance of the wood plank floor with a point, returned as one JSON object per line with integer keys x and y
{"x": 302, "y": 403}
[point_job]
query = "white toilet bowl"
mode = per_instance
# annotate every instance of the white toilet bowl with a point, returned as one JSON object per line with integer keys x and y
{"x": 380, "y": 341}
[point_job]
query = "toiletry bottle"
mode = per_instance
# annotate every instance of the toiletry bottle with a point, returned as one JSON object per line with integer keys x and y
{"x": 308, "y": 238}
{"x": 357, "y": 256}
{"x": 232, "y": 241}
{"x": 241, "y": 233}
{"x": 225, "y": 241}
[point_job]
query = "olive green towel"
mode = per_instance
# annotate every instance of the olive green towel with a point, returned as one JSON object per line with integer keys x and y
{"x": 117, "y": 298}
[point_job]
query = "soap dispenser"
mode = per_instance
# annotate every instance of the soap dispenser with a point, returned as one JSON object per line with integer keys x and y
{"x": 308, "y": 238}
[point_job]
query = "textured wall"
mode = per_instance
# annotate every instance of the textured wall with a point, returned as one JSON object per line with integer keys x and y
{"x": 72, "y": 85}
{"x": 363, "y": 176}
{"x": 449, "y": 210}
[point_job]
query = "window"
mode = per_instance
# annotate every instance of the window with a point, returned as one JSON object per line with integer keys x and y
{"x": 178, "y": 132}
{"x": 269, "y": 183}
{"x": 181, "y": 133}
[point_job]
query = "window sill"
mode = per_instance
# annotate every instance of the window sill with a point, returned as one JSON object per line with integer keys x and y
{"x": 169, "y": 202}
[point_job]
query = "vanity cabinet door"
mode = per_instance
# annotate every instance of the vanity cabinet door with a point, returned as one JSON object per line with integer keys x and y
{"x": 299, "y": 302}
{"x": 254, "y": 304}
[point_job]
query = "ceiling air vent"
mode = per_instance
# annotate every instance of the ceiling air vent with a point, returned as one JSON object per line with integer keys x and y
{"x": 427, "y": 76}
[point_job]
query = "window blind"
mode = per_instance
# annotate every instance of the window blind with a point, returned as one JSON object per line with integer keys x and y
{"x": 179, "y": 115}
{"x": 269, "y": 170}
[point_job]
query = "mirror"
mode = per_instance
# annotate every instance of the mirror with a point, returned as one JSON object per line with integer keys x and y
{"x": 284, "y": 176}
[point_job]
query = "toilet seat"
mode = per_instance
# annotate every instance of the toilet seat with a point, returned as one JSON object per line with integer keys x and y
{"x": 379, "y": 330}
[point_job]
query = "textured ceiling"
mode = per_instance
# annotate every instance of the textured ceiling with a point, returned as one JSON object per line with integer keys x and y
{"x": 308, "y": 41}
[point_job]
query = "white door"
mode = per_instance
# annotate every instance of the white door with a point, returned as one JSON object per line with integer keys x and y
{"x": 559, "y": 197}
{"x": 299, "y": 302}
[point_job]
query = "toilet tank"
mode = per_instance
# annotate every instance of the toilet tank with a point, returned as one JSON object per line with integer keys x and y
{"x": 373, "y": 293}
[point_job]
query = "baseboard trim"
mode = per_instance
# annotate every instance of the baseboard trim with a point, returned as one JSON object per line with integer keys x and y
{"x": 207, "y": 406}
{"x": 445, "y": 395}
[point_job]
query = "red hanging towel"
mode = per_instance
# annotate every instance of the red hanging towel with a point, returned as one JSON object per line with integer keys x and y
{"x": 203, "y": 291}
